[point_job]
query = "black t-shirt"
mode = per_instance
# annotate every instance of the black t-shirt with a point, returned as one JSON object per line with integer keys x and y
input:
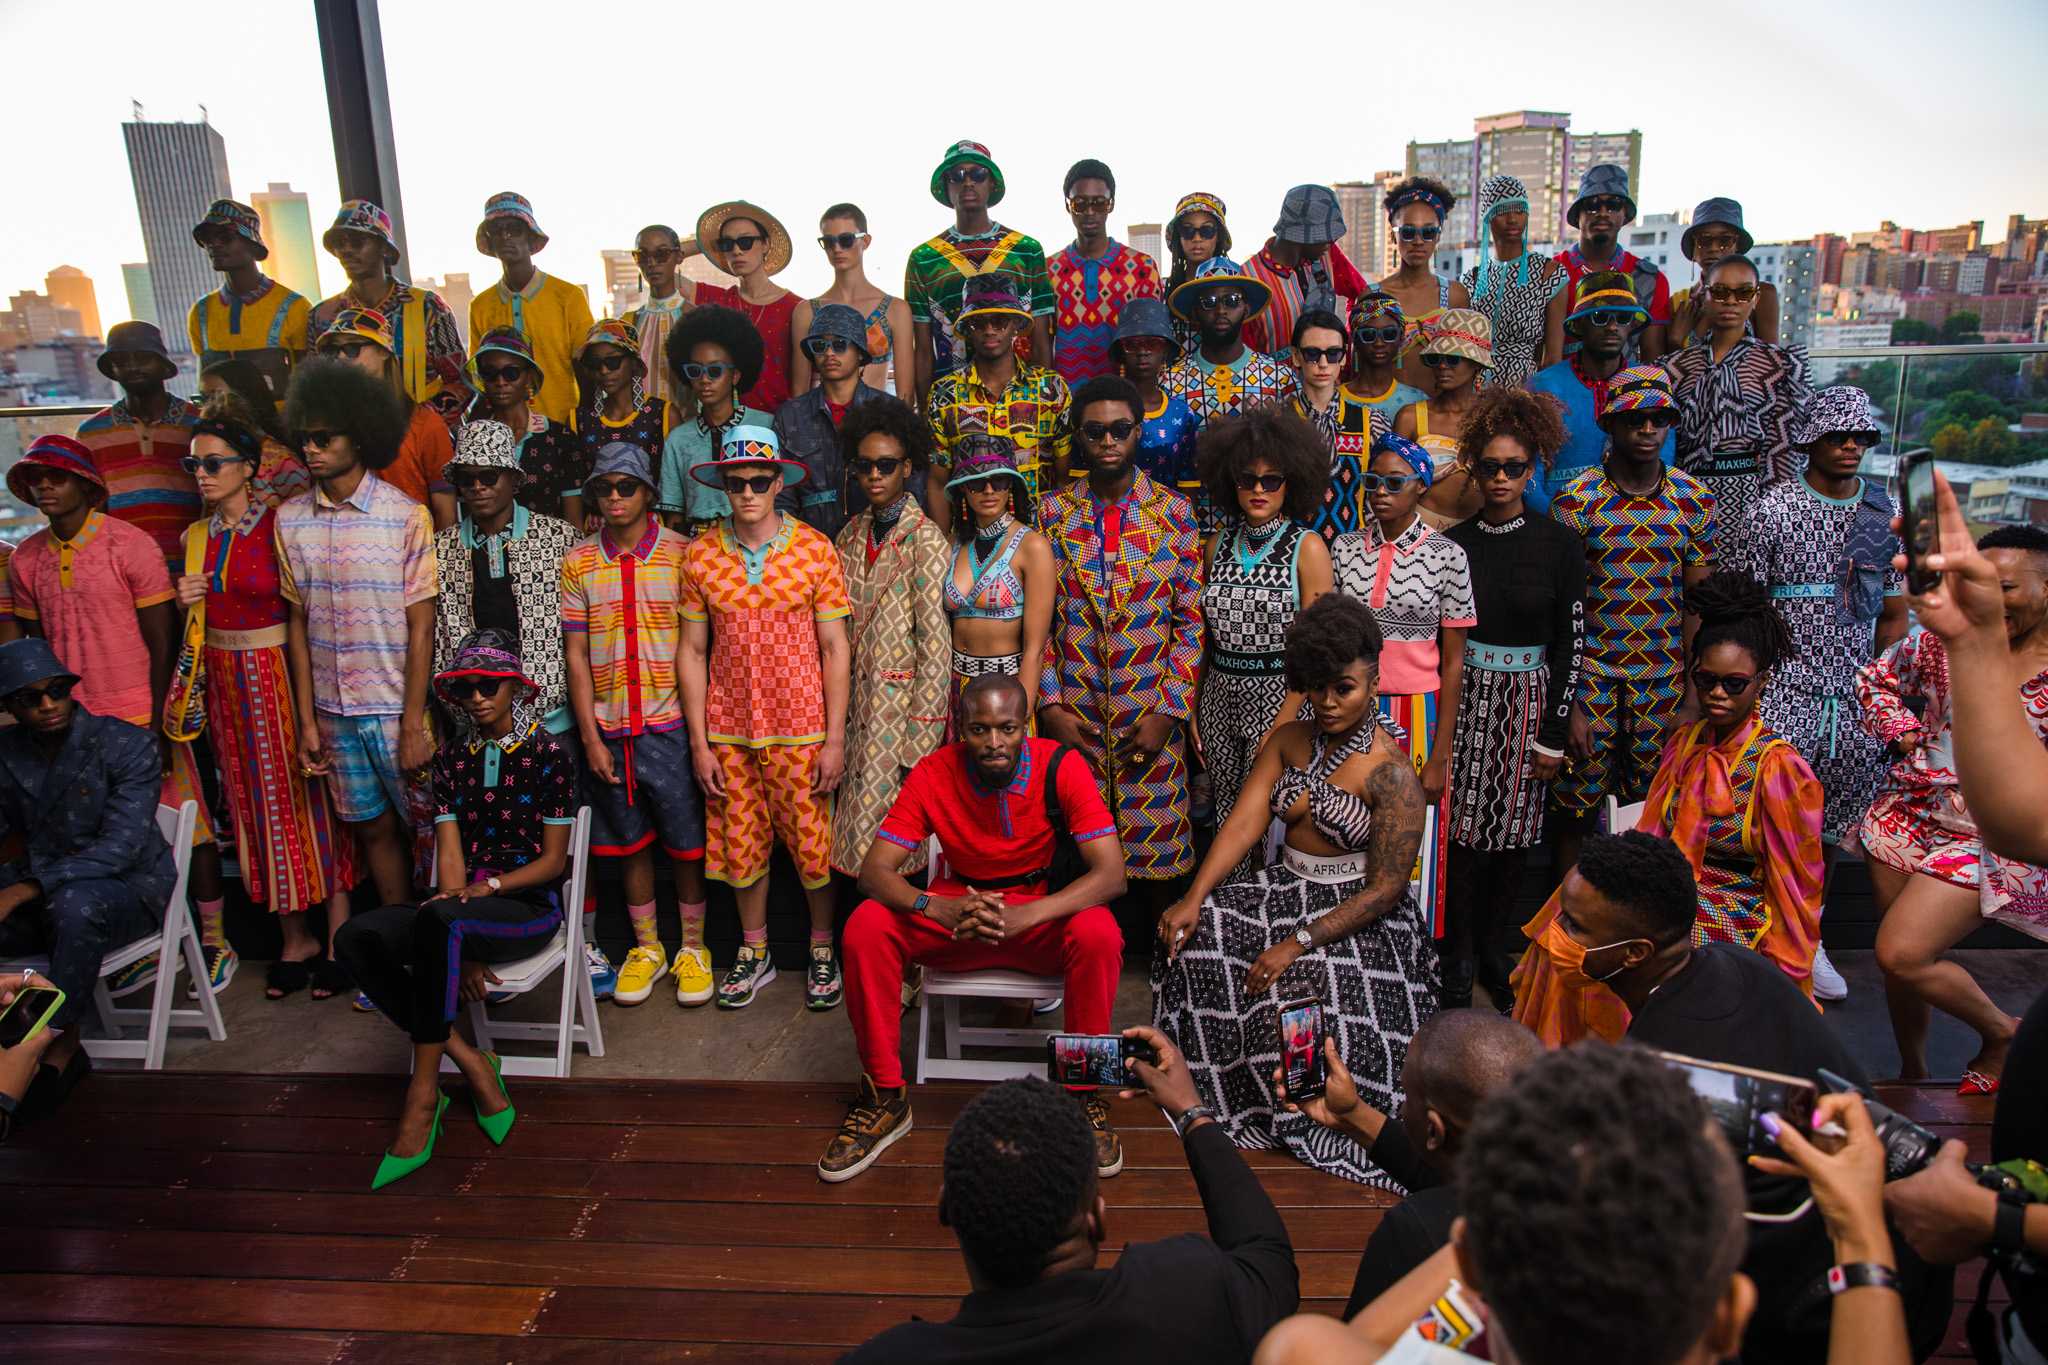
{"x": 492, "y": 605}
{"x": 2019, "y": 1128}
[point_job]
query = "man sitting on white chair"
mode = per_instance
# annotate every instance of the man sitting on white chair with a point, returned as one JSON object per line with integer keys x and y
{"x": 985, "y": 800}
{"x": 80, "y": 790}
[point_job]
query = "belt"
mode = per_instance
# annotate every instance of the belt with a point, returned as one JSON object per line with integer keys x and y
{"x": 1506, "y": 658}
{"x": 1248, "y": 665}
{"x": 1725, "y": 463}
{"x": 233, "y": 641}
{"x": 1787, "y": 590}
{"x": 1330, "y": 870}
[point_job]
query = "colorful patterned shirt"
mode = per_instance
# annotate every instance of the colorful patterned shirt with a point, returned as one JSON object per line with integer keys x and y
{"x": 83, "y": 594}
{"x": 554, "y": 463}
{"x": 267, "y": 329}
{"x": 1330, "y": 281}
{"x": 147, "y": 487}
{"x": 355, "y": 566}
{"x": 1348, "y": 426}
{"x": 1418, "y": 585}
{"x": 653, "y": 321}
{"x": 554, "y": 317}
{"x": 767, "y": 680}
{"x": 1744, "y": 402}
{"x": 937, "y": 274}
{"x": 443, "y": 340}
{"x": 1032, "y": 411}
{"x": 1250, "y": 381}
{"x": 1798, "y": 547}
{"x": 1581, "y": 398}
{"x": 1088, "y": 298}
{"x": 500, "y": 794}
{"x": 1637, "y": 552}
{"x": 1166, "y": 446}
{"x": 690, "y": 444}
{"x": 995, "y": 833}
{"x": 627, "y": 602}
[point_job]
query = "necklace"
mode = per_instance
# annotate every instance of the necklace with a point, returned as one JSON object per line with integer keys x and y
{"x": 1503, "y": 528}
{"x": 1254, "y": 543}
{"x": 988, "y": 539}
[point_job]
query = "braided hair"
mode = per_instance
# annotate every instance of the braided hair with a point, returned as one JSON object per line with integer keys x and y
{"x": 1735, "y": 609}
{"x": 1019, "y": 1169}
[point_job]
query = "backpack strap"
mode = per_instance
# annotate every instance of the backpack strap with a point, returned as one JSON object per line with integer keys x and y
{"x": 1055, "y": 814}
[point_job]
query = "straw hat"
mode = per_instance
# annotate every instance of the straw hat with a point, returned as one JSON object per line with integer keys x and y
{"x": 714, "y": 219}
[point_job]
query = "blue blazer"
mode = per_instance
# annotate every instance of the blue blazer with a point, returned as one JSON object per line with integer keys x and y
{"x": 87, "y": 812}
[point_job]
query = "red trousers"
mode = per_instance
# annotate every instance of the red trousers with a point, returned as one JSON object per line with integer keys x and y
{"x": 879, "y": 944}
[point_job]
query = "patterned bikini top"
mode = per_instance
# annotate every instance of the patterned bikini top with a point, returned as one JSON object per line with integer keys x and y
{"x": 995, "y": 593}
{"x": 1342, "y": 818}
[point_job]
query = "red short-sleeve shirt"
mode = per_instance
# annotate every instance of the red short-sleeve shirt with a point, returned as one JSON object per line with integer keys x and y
{"x": 991, "y": 835}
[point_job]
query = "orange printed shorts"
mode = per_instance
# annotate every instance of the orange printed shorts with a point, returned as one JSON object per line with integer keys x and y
{"x": 768, "y": 796}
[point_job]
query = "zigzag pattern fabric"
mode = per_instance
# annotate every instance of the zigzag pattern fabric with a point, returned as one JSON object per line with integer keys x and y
{"x": 1637, "y": 552}
{"x": 1088, "y": 299}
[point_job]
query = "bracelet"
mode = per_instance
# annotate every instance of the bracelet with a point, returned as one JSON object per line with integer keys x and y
{"x": 1862, "y": 1275}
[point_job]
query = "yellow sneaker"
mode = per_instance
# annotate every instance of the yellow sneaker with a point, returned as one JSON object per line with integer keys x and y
{"x": 644, "y": 966}
{"x": 692, "y": 969}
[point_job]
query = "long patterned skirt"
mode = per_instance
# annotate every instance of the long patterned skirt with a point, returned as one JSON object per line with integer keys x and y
{"x": 1412, "y": 717}
{"x": 1496, "y": 801}
{"x": 293, "y": 852}
{"x": 1236, "y": 711}
{"x": 1377, "y": 987}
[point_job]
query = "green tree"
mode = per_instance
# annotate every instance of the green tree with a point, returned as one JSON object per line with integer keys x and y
{"x": 1950, "y": 444}
{"x": 1913, "y": 332}
{"x": 1990, "y": 442}
{"x": 1961, "y": 328}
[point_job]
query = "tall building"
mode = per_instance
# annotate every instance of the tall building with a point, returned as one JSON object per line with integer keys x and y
{"x": 1793, "y": 268}
{"x": 1830, "y": 246}
{"x": 70, "y": 287}
{"x": 623, "y": 287}
{"x": 32, "y": 319}
{"x": 1536, "y": 147}
{"x": 1959, "y": 240}
{"x": 1366, "y": 239}
{"x": 135, "y": 283}
{"x": 178, "y": 170}
{"x": 1655, "y": 238}
{"x": 1149, "y": 238}
{"x": 2025, "y": 239}
{"x": 288, "y": 232}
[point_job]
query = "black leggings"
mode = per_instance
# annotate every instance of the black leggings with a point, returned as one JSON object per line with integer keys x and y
{"x": 408, "y": 958}
{"x": 1480, "y": 892}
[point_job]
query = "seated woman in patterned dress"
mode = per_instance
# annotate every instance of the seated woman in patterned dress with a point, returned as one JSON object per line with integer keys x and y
{"x": 1333, "y": 920}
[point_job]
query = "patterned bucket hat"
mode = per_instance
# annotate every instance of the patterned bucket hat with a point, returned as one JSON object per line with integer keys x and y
{"x": 745, "y": 445}
{"x": 1843, "y": 407}
{"x": 1602, "y": 290}
{"x": 240, "y": 217}
{"x": 487, "y": 654}
{"x": 506, "y": 204}
{"x": 1606, "y": 178}
{"x": 836, "y": 320}
{"x": 505, "y": 341}
{"x": 62, "y": 453}
{"x": 1723, "y": 211}
{"x": 1310, "y": 216}
{"x": 713, "y": 220}
{"x": 365, "y": 324}
{"x": 980, "y": 456}
{"x": 1219, "y": 270}
{"x": 487, "y": 444}
{"x": 614, "y": 332}
{"x": 1640, "y": 388}
{"x": 1145, "y": 317}
{"x": 967, "y": 154}
{"x": 360, "y": 215}
{"x": 1201, "y": 201}
{"x": 1463, "y": 332}
{"x": 996, "y": 292}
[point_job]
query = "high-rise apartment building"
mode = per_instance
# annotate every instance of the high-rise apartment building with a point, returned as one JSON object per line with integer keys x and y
{"x": 1793, "y": 269}
{"x": 1366, "y": 239}
{"x": 1655, "y": 238}
{"x": 178, "y": 170}
{"x": 33, "y": 318}
{"x": 70, "y": 287}
{"x": 623, "y": 287}
{"x": 135, "y": 284}
{"x": 2025, "y": 239}
{"x": 1535, "y": 146}
{"x": 288, "y": 231}
{"x": 1149, "y": 238}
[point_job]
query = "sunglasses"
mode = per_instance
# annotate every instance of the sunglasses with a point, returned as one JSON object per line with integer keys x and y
{"x": 1732, "y": 293}
{"x": 659, "y": 255}
{"x": 967, "y": 175}
{"x": 1142, "y": 346}
{"x": 501, "y": 374}
{"x": 1490, "y": 469}
{"x": 1606, "y": 203}
{"x": 1719, "y": 243}
{"x": 746, "y": 241}
{"x": 988, "y": 484}
{"x": 505, "y": 230}
{"x": 462, "y": 689}
{"x": 612, "y": 488}
{"x": 348, "y": 350}
{"x": 607, "y": 363}
{"x": 210, "y": 465}
{"x": 1393, "y": 483}
{"x": 817, "y": 346}
{"x": 1224, "y": 298}
{"x": 1197, "y": 232}
{"x": 845, "y": 241}
{"x": 1120, "y": 429}
{"x": 463, "y": 477}
{"x": 1437, "y": 362}
{"x": 1733, "y": 684}
{"x": 1659, "y": 418}
{"x": 317, "y": 437}
{"x": 1321, "y": 355}
{"x": 1408, "y": 232}
{"x": 756, "y": 484}
{"x": 1265, "y": 483}
{"x": 1365, "y": 335}
{"x": 1609, "y": 317}
{"x": 886, "y": 467}
{"x": 1098, "y": 203}
{"x": 715, "y": 371}
{"x": 28, "y": 698}
{"x": 1862, "y": 440}
{"x": 988, "y": 322}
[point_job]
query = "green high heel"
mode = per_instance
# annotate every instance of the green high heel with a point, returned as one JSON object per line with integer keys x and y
{"x": 497, "y": 1126}
{"x": 398, "y": 1167}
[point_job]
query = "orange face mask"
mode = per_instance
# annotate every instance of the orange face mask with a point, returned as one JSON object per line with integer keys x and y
{"x": 1569, "y": 956}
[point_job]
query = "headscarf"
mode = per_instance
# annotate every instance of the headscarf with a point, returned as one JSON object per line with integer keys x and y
{"x": 1499, "y": 194}
{"x": 1416, "y": 456}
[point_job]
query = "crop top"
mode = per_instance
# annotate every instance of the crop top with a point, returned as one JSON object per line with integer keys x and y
{"x": 995, "y": 594}
{"x": 1339, "y": 816}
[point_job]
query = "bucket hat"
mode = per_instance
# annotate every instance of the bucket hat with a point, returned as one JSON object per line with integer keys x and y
{"x": 713, "y": 220}
{"x": 1640, "y": 388}
{"x": 980, "y": 456}
{"x": 622, "y": 457}
{"x": 487, "y": 654}
{"x": 136, "y": 338}
{"x": 614, "y": 332}
{"x": 745, "y": 445}
{"x": 1310, "y": 216}
{"x": 1720, "y": 210}
{"x": 505, "y": 341}
{"x": 1463, "y": 332}
{"x": 1145, "y": 317}
{"x": 240, "y": 217}
{"x": 366, "y": 323}
{"x": 29, "y": 660}
{"x": 1219, "y": 270}
{"x": 1601, "y": 290}
{"x": 360, "y": 215}
{"x": 966, "y": 153}
{"x": 1200, "y": 201}
{"x": 1842, "y": 407}
{"x": 1606, "y": 178}
{"x": 506, "y": 204}
{"x": 55, "y": 452}
{"x": 996, "y": 292}
{"x": 836, "y": 320}
{"x": 487, "y": 444}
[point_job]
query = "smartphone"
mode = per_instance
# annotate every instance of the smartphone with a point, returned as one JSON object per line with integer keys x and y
{"x": 1093, "y": 1058}
{"x": 1917, "y": 520}
{"x": 1738, "y": 1096}
{"x": 1301, "y": 1050}
{"x": 25, "y": 1016}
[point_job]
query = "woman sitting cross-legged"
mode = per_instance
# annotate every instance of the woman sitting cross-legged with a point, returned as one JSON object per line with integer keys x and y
{"x": 504, "y": 800}
{"x": 1332, "y": 921}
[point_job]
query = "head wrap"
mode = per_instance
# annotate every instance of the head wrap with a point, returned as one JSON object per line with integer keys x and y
{"x": 1416, "y": 455}
{"x": 1418, "y": 194}
{"x": 246, "y": 443}
{"x": 1499, "y": 194}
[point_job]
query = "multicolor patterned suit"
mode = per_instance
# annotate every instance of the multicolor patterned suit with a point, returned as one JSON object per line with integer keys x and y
{"x": 1126, "y": 642}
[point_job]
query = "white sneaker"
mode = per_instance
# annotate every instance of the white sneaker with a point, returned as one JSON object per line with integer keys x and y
{"x": 1048, "y": 1004}
{"x": 1827, "y": 982}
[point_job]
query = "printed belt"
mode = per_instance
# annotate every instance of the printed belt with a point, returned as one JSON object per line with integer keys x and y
{"x": 235, "y": 641}
{"x": 1728, "y": 463}
{"x": 1785, "y": 590}
{"x": 1330, "y": 871}
{"x": 1247, "y": 665}
{"x": 1506, "y": 658}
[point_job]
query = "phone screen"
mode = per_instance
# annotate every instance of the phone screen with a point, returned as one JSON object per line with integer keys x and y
{"x": 26, "y": 1011}
{"x": 1301, "y": 1050}
{"x": 1737, "y": 1101}
{"x": 1085, "y": 1059}
{"x": 1917, "y": 518}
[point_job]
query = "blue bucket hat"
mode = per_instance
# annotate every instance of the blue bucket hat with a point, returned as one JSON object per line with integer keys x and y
{"x": 1145, "y": 317}
{"x": 28, "y": 660}
{"x": 831, "y": 320}
{"x": 620, "y": 457}
{"x": 1724, "y": 211}
{"x": 1606, "y": 178}
{"x": 1310, "y": 216}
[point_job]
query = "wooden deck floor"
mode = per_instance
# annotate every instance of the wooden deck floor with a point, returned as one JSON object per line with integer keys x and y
{"x": 208, "y": 1217}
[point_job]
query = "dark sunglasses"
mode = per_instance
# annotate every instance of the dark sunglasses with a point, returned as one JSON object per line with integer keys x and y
{"x": 506, "y": 229}
{"x": 462, "y": 689}
{"x": 1734, "y": 684}
{"x": 317, "y": 437}
{"x": 607, "y": 363}
{"x": 1322, "y": 355}
{"x": 471, "y": 477}
{"x": 1222, "y": 298}
{"x": 1099, "y": 203}
{"x": 658, "y": 255}
{"x": 1437, "y": 362}
{"x": 989, "y": 322}
{"x": 1605, "y": 203}
{"x": 987, "y": 485}
{"x": 219, "y": 236}
{"x": 1197, "y": 232}
{"x": 964, "y": 175}
{"x": 1366, "y": 335}
{"x": 1490, "y": 469}
{"x": 1393, "y": 483}
{"x": 502, "y": 374}
{"x": 746, "y": 241}
{"x": 612, "y": 488}
{"x": 211, "y": 465}
{"x": 817, "y": 346}
{"x": 1659, "y": 418}
{"x": 28, "y": 698}
{"x": 1862, "y": 440}
{"x": 1609, "y": 317}
{"x": 1265, "y": 483}
{"x": 750, "y": 483}
{"x": 714, "y": 371}
{"x": 1120, "y": 429}
{"x": 845, "y": 241}
{"x": 1732, "y": 293}
{"x": 886, "y": 467}
{"x": 347, "y": 350}
{"x": 1408, "y": 232}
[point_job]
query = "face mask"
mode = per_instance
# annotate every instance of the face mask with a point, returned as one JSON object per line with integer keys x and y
{"x": 1569, "y": 956}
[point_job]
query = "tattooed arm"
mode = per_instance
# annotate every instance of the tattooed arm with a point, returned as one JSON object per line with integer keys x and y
{"x": 1395, "y": 795}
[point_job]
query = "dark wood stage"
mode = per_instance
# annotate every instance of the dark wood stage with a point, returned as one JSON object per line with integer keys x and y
{"x": 212, "y": 1217}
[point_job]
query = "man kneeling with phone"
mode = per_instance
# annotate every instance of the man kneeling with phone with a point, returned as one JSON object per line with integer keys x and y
{"x": 991, "y": 799}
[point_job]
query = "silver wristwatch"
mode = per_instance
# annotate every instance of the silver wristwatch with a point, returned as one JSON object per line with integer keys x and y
{"x": 1185, "y": 1119}
{"x": 1304, "y": 938}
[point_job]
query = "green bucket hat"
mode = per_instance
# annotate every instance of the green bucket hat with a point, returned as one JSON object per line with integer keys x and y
{"x": 967, "y": 154}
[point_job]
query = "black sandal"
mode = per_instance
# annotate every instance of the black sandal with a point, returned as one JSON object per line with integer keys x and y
{"x": 286, "y": 978}
{"x": 330, "y": 979}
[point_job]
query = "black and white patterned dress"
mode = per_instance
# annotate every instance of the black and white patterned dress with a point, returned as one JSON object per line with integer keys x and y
{"x": 1517, "y": 308}
{"x": 1377, "y": 985}
{"x": 1735, "y": 428}
{"x": 1249, "y": 600}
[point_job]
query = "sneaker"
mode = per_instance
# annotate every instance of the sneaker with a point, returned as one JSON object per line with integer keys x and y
{"x": 363, "y": 1003}
{"x": 824, "y": 987}
{"x": 132, "y": 977}
{"x": 694, "y": 984}
{"x": 604, "y": 978}
{"x": 878, "y": 1117}
{"x": 1827, "y": 982}
{"x": 913, "y": 985}
{"x": 1048, "y": 1004}
{"x": 220, "y": 969}
{"x": 1109, "y": 1152}
{"x": 637, "y": 974}
{"x": 750, "y": 971}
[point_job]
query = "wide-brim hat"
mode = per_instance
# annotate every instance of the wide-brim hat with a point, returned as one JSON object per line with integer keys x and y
{"x": 487, "y": 444}
{"x": 1720, "y": 210}
{"x": 366, "y": 323}
{"x": 831, "y": 321}
{"x": 1602, "y": 291}
{"x": 1216, "y": 271}
{"x": 747, "y": 445}
{"x": 1606, "y": 178}
{"x": 614, "y": 332}
{"x": 506, "y": 204}
{"x": 1146, "y": 317}
{"x": 136, "y": 338}
{"x": 240, "y": 217}
{"x": 967, "y": 154}
{"x": 360, "y": 215}
{"x": 484, "y": 655}
{"x": 63, "y": 453}
{"x": 1463, "y": 332}
{"x": 29, "y": 660}
{"x": 1639, "y": 388}
{"x": 779, "y": 251}
{"x": 981, "y": 456}
{"x": 505, "y": 341}
{"x": 996, "y": 292}
{"x": 1842, "y": 407}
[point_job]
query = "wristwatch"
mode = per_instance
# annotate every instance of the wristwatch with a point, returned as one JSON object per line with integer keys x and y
{"x": 1862, "y": 1275}
{"x": 495, "y": 885}
{"x": 921, "y": 904}
{"x": 1185, "y": 1118}
{"x": 1304, "y": 938}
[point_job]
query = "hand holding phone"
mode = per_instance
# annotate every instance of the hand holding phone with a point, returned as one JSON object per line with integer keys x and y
{"x": 1738, "y": 1098}
{"x": 1083, "y": 1059}
{"x": 1302, "y": 1069}
{"x": 1918, "y": 525}
{"x": 28, "y": 1012}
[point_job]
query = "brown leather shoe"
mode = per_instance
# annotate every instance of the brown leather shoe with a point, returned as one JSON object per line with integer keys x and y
{"x": 1109, "y": 1152}
{"x": 878, "y": 1117}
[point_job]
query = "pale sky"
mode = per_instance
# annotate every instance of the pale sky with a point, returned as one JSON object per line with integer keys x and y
{"x": 1817, "y": 117}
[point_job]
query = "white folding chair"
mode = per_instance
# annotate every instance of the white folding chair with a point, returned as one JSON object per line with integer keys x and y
{"x": 175, "y": 942}
{"x": 948, "y": 988}
{"x": 576, "y": 1019}
{"x": 1423, "y": 881}
{"x": 1620, "y": 818}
